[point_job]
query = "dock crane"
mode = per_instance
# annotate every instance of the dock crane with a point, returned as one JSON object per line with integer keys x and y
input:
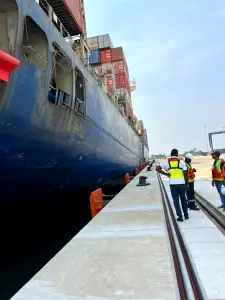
{"x": 210, "y": 134}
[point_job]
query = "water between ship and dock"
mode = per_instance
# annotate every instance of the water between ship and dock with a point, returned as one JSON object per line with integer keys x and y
{"x": 36, "y": 230}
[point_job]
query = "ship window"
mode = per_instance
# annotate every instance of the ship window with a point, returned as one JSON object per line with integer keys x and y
{"x": 80, "y": 92}
{"x": 35, "y": 44}
{"x": 61, "y": 86}
{"x": 8, "y": 25}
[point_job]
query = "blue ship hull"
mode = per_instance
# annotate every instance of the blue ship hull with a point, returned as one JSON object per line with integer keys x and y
{"x": 46, "y": 148}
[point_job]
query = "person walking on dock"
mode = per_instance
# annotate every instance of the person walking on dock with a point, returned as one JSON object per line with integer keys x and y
{"x": 190, "y": 192}
{"x": 176, "y": 170}
{"x": 218, "y": 177}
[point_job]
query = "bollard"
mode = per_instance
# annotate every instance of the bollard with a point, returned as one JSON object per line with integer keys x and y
{"x": 126, "y": 178}
{"x": 96, "y": 202}
{"x": 142, "y": 181}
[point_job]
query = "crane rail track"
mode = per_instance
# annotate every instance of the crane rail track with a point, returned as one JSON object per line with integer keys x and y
{"x": 211, "y": 211}
{"x": 187, "y": 279}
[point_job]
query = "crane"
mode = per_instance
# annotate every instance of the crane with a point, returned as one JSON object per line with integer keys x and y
{"x": 213, "y": 133}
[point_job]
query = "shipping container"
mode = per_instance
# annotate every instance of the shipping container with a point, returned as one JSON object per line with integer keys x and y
{"x": 94, "y": 57}
{"x": 76, "y": 9}
{"x": 109, "y": 84}
{"x": 117, "y": 54}
{"x": 71, "y": 14}
{"x": 107, "y": 68}
{"x": 119, "y": 67}
{"x": 104, "y": 41}
{"x": 105, "y": 56}
{"x": 93, "y": 43}
{"x": 121, "y": 80}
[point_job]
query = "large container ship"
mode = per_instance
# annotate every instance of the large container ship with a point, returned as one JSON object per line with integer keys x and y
{"x": 63, "y": 123}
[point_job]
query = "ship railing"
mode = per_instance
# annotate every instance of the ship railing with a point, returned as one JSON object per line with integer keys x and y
{"x": 55, "y": 20}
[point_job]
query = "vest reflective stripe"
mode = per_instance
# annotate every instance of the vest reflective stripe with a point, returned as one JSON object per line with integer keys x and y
{"x": 217, "y": 172}
{"x": 191, "y": 174}
{"x": 174, "y": 167}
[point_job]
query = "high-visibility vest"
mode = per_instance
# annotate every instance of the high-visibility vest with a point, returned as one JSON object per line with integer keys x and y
{"x": 191, "y": 174}
{"x": 174, "y": 166}
{"x": 217, "y": 171}
{"x": 223, "y": 171}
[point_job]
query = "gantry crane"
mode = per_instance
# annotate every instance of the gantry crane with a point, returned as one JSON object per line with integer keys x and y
{"x": 210, "y": 137}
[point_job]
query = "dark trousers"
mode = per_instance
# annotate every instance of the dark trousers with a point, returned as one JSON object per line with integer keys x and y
{"x": 191, "y": 195}
{"x": 178, "y": 194}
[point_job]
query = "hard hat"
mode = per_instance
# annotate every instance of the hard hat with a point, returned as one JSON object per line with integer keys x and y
{"x": 217, "y": 153}
{"x": 189, "y": 155}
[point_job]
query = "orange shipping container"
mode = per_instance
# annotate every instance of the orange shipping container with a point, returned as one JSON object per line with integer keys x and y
{"x": 121, "y": 81}
{"x": 105, "y": 56}
{"x": 119, "y": 66}
{"x": 117, "y": 54}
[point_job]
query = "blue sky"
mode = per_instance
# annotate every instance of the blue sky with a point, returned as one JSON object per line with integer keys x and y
{"x": 175, "y": 51}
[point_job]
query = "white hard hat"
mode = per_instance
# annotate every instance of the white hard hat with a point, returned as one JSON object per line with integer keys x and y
{"x": 189, "y": 155}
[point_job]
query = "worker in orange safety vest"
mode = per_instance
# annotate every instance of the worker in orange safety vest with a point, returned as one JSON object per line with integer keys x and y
{"x": 190, "y": 192}
{"x": 218, "y": 176}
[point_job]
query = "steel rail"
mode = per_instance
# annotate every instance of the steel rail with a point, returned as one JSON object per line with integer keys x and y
{"x": 211, "y": 211}
{"x": 187, "y": 281}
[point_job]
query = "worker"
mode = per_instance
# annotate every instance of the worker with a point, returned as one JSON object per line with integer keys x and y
{"x": 176, "y": 170}
{"x": 218, "y": 176}
{"x": 190, "y": 192}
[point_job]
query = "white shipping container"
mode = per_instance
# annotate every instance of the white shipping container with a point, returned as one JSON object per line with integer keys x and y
{"x": 93, "y": 43}
{"x": 104, "y": 41}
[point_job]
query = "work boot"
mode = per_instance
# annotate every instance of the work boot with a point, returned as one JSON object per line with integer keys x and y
{"x": 221, "y": 206}
{"x": 186, "y": 217}
{"x": 194, "y": 208}
{"x": 180, "y": 219}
